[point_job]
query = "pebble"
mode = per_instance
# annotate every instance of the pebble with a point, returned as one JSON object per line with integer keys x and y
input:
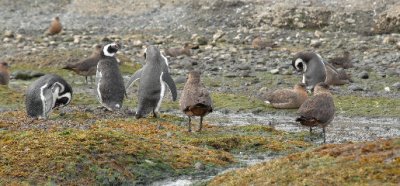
{"x": 355, "y": 88}
{"x": 315, "y": 43}
{"x": 8, "y": 34}
{"x": 274, "y": 71}
{"x": 396, "y": 86}
{"x": 363, "y": 75}
{"x": 218, "y": 35}
{"x": 199, "y": 166}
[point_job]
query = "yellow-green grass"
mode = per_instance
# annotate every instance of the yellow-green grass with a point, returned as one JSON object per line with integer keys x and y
{"x": 367, "y": 163}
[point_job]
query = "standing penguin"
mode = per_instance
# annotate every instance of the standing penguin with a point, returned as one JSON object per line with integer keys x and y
{"x": 4, "y": 73}
{"x": 87, "y": 67}
{"x": 153, "y": 77}
{"x": 315, "y": 70}
{"x": 110, "y": 87}
{"x": 46, "y": 93}
{"x": 317, "y": 110}
{"x": 195, "y": 99}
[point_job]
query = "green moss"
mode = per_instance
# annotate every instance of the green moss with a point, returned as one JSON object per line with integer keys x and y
{"x": 10, "y": 98}
{"x": 367, "y": 106}
{"x": 365, "y": 163}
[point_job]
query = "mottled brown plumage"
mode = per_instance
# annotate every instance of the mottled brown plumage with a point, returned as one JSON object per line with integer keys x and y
{"x": 343, "y": 61}
{"x": 260, "y": 43}
{"x": 86, "y": 67}
{"x": 195, "y": 99}
{"x": 175, "y": 52}
{"x": 55, "y": 27}
{"x": 288, "y": 98}
{"x": 318, "y": 110}
{"x": 4, "y": 73}
{"x": 335, "y": 77}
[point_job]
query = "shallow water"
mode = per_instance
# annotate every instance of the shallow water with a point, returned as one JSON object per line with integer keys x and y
{"x": 341, "y": 130}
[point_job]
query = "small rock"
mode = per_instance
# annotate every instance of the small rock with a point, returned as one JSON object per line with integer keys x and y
{"x": 363, "y": 75}
{"x": 318, "y": 34}
{"x": 218, "y": 35}
{"x": 355, "y": 88}
{"x": 387, "y": 89}
{"x": 137, "y": 43}
{"x": 180, "y": 79}
{"x": 389, "y": 40}
{"x": 398, "y": 45}
{"x": 244, "y": 67}
{"x": 396, "y": 86}
{"x": 274, "y": 71}
{"x": 315, "y": 43}
{"x": 199, "y": 166}
{"x": 350, "y": 20}
{"x": 6, "y": 40}
{"x": 201, "y": 40}
{"x": 8, "y": 34}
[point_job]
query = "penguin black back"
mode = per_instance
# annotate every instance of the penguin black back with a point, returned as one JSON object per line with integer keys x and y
{"x": 110, "y": 84}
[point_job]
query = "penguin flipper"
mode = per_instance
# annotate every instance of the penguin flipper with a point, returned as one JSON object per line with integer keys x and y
{"x": 134, "y": 78}
{"x": 171, "y": 85}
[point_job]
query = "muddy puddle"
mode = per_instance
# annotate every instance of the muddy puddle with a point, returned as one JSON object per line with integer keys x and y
{"x": 341, "y": 130}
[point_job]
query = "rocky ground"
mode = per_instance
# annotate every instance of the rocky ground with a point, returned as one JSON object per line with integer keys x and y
{"x": 237, "y": 74}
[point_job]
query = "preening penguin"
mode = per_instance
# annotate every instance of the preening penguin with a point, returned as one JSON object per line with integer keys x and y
{"x": 46, "y": 93}
{"x": 315, "y": 70}
{"x": 317, "y": 110}
{"x": 153, "y": 77}
{"x": 195, "y": 99}
{"x": 110, "y": 87}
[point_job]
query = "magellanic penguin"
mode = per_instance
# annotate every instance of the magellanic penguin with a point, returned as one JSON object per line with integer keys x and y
{"x": 46, "y": 93}
{"x": 86, "y": 67}
{"x": 4, "y": 73}
{"x": 315, "y": 70}
{"x": 55, "y": 27}
{"x": 317, "y": 110}
{"x": 153, "y": 77}
{"x": 110, "y": 87}
{"x": 195, "y": 99}
{"x": 343, "y": 61}
{"x": 175, "y": 52}
{"x": 288, "y": 98}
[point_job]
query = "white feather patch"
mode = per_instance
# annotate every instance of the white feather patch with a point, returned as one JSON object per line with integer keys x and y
{"x": 105, "y": 51}
{"x": 99, "y": 76}
{"x": 300, "y": 61}
{"x": 165, "y": 59}
{"x": 161, "y": 92}
{"x": 43, "y": 100}
{"x": 323, "y": 64}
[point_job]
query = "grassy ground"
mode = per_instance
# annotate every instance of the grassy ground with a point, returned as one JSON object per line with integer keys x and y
{"x": 80, "y": 144}
{"x": 369, "y": 163}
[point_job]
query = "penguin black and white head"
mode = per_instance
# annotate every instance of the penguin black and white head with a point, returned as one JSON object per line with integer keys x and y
{"x": 110, "y": 89}
{"x": 46, "y": 93}
{"x": 111, "y": 49}
{"x": 153, "y": 77}
{"x": 312, "y": 66}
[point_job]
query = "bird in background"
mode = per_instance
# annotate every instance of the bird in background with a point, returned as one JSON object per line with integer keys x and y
{"x": 55, "y": 27}
{"x": 195, "y": 99}
{"x": 4, "y": 73}
{"x": 87, "y": 67}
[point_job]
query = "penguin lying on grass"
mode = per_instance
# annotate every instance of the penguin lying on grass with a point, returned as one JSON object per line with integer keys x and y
{"x": 46, "y": 93}
{"x": 153, "y": 77}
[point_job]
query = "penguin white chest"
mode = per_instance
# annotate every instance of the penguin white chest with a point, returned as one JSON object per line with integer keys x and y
{"x": 162, "y": 92}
